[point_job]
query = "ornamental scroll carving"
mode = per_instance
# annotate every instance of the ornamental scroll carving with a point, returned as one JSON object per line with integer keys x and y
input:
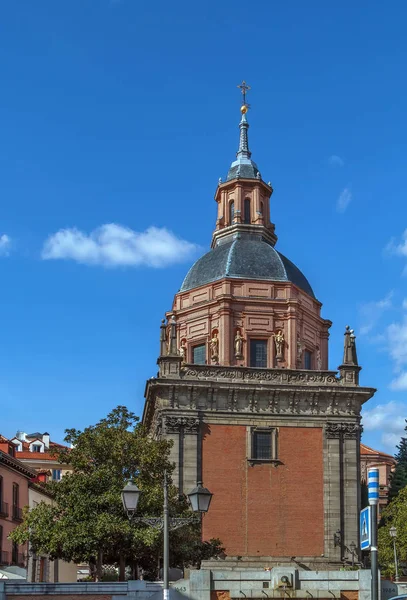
{"x": 284, "y": 376}
{"x": 189, "y": 424}
{"x": 350, "y": 431}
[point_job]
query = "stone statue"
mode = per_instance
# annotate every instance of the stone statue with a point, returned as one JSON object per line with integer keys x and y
{"x": 319, "y": 359}
{"x": 214, "y": 347}
{"x": 238, "y": 345}
{"x": 279, "y": 342}
{"x": 349, "y": 351}
{"x": 183, "y": 351}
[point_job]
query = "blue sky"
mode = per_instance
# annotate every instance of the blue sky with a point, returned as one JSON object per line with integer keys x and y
{"x": 118, "y": 117}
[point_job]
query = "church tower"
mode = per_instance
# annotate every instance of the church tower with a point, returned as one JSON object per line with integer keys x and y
{"x": 245, "y": 393}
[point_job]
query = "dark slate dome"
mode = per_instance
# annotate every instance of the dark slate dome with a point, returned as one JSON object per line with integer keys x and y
{"x": 244, "y": 258}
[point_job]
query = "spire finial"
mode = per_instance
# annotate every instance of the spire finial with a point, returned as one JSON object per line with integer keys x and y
{"x": 243, "y": 166}
{"x": 244, "y": 88}
{"x": 244, "y": 151}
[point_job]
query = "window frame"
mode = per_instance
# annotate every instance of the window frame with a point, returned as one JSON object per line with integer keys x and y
{"x": 14, "y": 553}
{"x": 251, "y": 433}
{"x": 247, "y": 211}
{"x": 231, "y": 212}
{"x": 56, "y": 471}
{"x": 199, "y": 344}
{"x": 16, "y": 495}
{"x": 308, "y": 352}
{"x": 266, "y": 340}
{"x": 36, "y": 448}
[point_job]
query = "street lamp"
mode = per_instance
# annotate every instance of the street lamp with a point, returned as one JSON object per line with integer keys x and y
{"x": 130, "y": 497}
{"x": 200, "y": 499}
{"x": 393, "y": 534}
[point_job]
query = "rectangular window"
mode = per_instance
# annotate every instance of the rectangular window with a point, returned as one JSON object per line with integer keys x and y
{"x": 199, "y": 355}
{"x": 14, "y": 553}
{"x": 307, "y": 359}
{"x": 258, "y": 353}
{"x": 263, "y": 444}
{"x": 16, "y": 495}
{"x": 36, "y": 448}
{"x": 56, "y": 474}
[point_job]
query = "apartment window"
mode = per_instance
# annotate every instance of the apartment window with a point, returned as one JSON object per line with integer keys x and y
{"x": 1, "y": 544}
{"x": 16, "y": 495}
{"x": 14, "y": 553}
{"x": 3, "y": 505}
{"x": 56, "y": 474}
{"x": 307, "y": 359}
{"x": 36, "y": 448}
{"x": 263, "y": 444}
{"x": 247, "y": 210}
{"x": 199, "y": 354}
{"x": 258, "y": 353}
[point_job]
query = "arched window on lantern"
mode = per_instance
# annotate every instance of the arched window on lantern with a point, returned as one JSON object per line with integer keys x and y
{"x": 262, "y": 209}
{"x": 231, "y": 212}
{"x": 247, "y": 210}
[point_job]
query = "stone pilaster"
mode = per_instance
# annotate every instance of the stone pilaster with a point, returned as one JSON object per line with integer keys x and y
{"x": 332, "y": 492}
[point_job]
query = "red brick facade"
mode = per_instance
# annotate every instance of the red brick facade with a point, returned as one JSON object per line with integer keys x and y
{"x": 265, "y": 510}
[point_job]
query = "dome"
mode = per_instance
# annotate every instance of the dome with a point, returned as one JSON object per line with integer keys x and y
{"x": 244, "y": 258}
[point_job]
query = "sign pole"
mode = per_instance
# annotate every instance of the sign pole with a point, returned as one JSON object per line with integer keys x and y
{"x": 373, "y": 495}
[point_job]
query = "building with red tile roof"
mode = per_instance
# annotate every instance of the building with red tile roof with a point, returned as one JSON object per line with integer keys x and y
{"x": 38, "y": 451}
{"x": 369, "y": 457}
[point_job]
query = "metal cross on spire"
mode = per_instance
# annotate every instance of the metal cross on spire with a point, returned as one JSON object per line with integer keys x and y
{"x": 244, "y": 88}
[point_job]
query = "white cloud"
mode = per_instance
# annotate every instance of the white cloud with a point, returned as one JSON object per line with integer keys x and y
{"x": 113, "y": 245}
{"x": 388, "y": 420}
{"x": 336, "y": 161}
{"x": 5, "y": 243}
{"x": 344, "y": 199}
{"x": 400, "y": 383}
{"x": 397, "y": 342}
{"x": 398, "y": 248}
{"x": 372, "y": 311}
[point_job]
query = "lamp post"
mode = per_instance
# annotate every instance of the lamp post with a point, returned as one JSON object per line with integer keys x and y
{"x": 200, "y": 499}
{"x": 393, "y": 534}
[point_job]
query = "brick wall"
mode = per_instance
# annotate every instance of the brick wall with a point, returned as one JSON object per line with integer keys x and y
{"x": 264, "y": 510}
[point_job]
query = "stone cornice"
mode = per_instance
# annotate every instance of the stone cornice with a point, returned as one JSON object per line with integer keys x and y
{"x": 273, "y": 377}
{"x": 249, "y": 392}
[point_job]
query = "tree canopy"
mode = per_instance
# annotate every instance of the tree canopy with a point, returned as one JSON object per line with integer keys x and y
{"x": 394, "y": 515}
{"x": 86, "y": 521}
{"x": 398, "y": 479}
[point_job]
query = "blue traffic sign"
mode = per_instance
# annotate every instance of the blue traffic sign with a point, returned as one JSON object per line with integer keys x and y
{"x": 365, "y": 529}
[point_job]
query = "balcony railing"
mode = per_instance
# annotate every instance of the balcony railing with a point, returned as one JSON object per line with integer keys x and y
{"x": 17, "y": 513}
{"x": 4, "y": 558}
{"x": 3, "y": 509}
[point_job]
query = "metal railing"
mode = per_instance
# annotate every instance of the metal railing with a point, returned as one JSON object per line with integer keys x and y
{"x": 17, "y": 513}
{"x": 3, "y": 509}
{"x": 4, "y": 558}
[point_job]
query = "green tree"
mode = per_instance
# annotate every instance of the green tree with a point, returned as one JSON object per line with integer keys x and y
{"x": 395, "y": 514}
{"x": 398, "y": 479}
{"x": 86, "y": 522}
